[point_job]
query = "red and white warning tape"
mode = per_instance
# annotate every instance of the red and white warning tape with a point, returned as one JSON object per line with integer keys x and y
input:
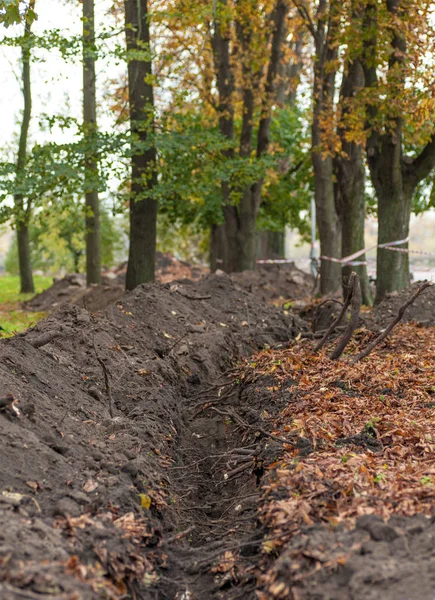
{"x": 350, "y": 260}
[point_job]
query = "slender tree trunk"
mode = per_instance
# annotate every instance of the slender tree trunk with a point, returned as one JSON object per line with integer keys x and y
{"x": 328, "y": 219}
{"x": 26, "y": 276}
{"x": 22, "y": 208}
{"x": 143, "y": 207}
{"x": 92, "y": 205}
{"x": 350, "y": 175}
{"x": 249, "y": 204}
{"x": 225, "y": 86}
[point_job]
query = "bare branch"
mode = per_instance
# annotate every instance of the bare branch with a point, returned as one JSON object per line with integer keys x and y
{"x": 355, "y": 293}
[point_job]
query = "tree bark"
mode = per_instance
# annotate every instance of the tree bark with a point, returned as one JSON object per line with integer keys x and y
{"x": 225, "y": 86}
{"x": 143, "y": 207}
{"x": 350, "y": 189}
{"x": 23, "y": 208}
{"x": 328, "y": 220}
{"x": 92, "y": 205}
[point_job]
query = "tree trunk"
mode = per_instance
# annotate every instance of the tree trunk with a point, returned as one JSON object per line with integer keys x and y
{"x": 328, "y": 221}
{"x": 22, "y": 209}
{"x": 143, "y": 207}
{"x": 394, "y": 175}
{"x": 225, "y": 86}
{"x": 92, "y": 205}
{"x": 26, "y": 276}
{"x": 392, "y": 268}
{"x": 393, "y": 181}
{"x": 217, "y": 247}
{"x": 350, "y": 175}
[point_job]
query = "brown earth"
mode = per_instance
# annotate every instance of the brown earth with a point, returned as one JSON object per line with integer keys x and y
{"x": 90, "y": 504}
{"x": 422, "y": 311}
{"x": 160, "y": 500}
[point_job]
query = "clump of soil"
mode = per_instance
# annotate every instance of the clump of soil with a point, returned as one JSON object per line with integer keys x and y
{"x": 376, "y": 560}
{"x": 90, "y": 504}
{"x": 422, "y": 311}
{"x": 276, "y": 282}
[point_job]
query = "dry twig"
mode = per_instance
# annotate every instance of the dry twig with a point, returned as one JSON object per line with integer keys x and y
{"x": 355, "y": 294}
{"x": 338, "y": 320}
{"x": 106, "y": 377}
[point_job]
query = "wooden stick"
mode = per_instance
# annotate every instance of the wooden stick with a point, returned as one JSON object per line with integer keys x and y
{"x": 393, "y": 323}
{"x": 44, "y": 339}
{"x": 106, "y": 378}
{"x": 354, "y": 318}
{"x": 340, "y": 316}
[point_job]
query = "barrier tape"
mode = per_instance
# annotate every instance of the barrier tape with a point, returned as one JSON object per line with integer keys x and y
{"x": 349, "y": 260}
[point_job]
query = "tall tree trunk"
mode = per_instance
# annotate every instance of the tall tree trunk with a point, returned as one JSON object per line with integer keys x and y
{"x": 92, "y": 205}
{"x": 23, "y": 208}
{"x": 247, "y": 211}
{"x": 328, "y": 219}
{"x": 350, "y": 175}
{"x": 271, "y": 244}
{"x": 225, "y": 86}
{"x": 143, "y": 207}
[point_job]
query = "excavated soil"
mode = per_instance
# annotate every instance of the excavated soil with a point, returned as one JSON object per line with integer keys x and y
{"x": 422, "y": 311}
{"x": 160, "y": 499}
{"x": 269, "y": 283}
{"x": 91, "y": 505}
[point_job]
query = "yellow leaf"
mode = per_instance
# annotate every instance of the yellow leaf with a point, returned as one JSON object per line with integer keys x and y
{"x": 145, "y": 501}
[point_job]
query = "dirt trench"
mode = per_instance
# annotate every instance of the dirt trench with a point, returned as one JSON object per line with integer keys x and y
{"x": 133, "y": 504}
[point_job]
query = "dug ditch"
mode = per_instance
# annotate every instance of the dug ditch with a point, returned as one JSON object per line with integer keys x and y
{"x": 152, "y": 500}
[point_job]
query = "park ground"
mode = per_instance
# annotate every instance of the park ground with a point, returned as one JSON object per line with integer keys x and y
{"x": 186, "y": 441}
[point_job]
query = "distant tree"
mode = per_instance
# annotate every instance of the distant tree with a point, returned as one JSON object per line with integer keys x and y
{"x": 23, "y": 205}
{"x": 92, "y": 206}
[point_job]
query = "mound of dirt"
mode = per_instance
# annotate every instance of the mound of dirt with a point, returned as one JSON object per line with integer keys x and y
{"x": 422, "y": 311}
{"x": 276, "y": 282}
{"x": 90, "y": 503}
{"x": 268, "y": 283}
{"x": 72, "y": 289}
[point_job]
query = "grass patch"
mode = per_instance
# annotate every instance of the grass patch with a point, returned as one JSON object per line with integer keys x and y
{"x": 13, "y": 318}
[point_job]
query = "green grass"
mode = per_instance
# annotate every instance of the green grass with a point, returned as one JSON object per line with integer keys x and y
{"x": 13, "y": 318}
